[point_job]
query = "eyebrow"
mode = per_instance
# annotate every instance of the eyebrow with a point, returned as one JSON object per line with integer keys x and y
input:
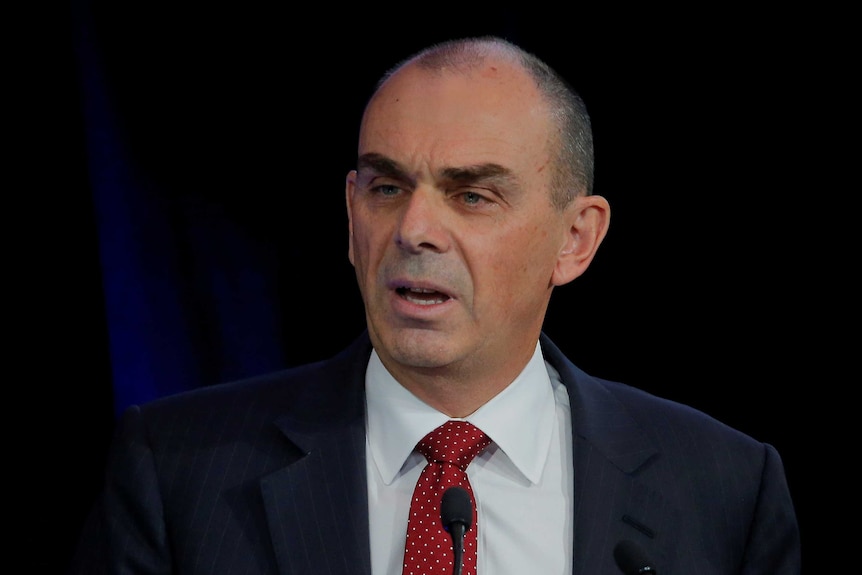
{"x": 461, "y": 174}
{"x": 479, "y": 173}
{"x": 382, "y": 165}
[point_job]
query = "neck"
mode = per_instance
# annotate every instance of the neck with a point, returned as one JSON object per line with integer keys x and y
{"x": 458, "y": 392}
{"x": 455, "y": 398}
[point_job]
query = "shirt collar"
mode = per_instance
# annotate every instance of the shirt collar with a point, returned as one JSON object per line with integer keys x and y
{"x": 397, "y": 419}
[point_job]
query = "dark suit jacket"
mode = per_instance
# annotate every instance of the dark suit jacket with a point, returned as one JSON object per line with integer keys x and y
{"x": 268, "y": 475}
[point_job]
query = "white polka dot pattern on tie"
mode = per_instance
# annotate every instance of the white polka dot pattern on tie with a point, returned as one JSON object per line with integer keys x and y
{"x": 449, "y": 449}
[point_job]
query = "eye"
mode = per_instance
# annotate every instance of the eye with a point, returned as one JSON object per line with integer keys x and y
{"x": 473, "y": 198}
{"x": 386, "y": 189}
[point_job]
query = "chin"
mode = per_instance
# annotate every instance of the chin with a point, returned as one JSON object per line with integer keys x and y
{"x": 420, "y": 348}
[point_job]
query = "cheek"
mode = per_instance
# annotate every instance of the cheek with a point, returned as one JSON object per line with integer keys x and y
{"x": 532, "y": 248}
{"x": 359, "y": 247}
{"x": 523, "y": 262}
{"x": 367, "y": 245}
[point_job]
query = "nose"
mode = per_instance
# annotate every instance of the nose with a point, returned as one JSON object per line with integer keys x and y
{"x": 422, "y": 225}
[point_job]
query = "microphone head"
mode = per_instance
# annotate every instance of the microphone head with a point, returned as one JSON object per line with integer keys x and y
{"x": 632, "y": 559}
{"x": 456, "y": 507}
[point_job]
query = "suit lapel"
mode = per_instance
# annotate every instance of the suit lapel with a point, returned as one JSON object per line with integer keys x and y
{"x": 611, "y": 503}
{"x": 317, "y": 506}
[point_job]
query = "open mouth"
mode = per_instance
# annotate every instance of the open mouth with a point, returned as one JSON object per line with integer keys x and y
{"x": 422, "y": 296}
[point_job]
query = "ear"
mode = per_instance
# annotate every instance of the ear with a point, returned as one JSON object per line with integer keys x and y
{"x": 588, "y": 218}
{"x": 349, "y": 189}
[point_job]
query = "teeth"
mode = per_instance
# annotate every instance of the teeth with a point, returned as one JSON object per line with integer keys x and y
{"x": 425, "y": 301}
{"x": 422, "y": 295}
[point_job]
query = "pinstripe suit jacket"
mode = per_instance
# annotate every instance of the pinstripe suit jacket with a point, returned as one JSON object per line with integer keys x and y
{"x": 268, "y": 476}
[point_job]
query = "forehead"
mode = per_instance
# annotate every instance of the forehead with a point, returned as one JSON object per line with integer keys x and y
{"x": 492, "y": 113}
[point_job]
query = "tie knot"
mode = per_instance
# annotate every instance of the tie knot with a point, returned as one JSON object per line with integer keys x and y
{"x": 455, "y": 442}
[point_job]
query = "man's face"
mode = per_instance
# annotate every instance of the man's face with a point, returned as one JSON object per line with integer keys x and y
{"x": 452, "y": 232}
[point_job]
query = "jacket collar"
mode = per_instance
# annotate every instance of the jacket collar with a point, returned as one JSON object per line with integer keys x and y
{"x": 317, "y": 507}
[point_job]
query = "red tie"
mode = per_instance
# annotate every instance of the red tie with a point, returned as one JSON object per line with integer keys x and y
{"x": 449, "y": 449}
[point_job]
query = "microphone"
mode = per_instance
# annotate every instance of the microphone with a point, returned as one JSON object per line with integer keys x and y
{"x": 632, "y": 559}
{"x": 456, "y": 512}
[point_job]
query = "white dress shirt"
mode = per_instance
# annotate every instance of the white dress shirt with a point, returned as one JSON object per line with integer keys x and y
{"x": 522, "y": 482}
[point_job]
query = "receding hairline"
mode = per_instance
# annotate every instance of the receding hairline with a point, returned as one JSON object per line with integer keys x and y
{"x": 573, "y": 150}
{"x": 461, "y": 55}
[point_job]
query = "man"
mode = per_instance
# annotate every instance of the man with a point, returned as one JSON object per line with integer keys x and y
{"x": 471, "y": 201}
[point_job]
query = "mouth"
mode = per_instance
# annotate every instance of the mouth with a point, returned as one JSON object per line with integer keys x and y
{"x": 422, "y": 296}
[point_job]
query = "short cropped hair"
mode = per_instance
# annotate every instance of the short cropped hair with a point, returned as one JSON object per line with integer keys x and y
{"x": 573, "y": 149}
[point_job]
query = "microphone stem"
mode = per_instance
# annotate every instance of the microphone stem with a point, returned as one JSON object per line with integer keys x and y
{"x": 457, "y": 547}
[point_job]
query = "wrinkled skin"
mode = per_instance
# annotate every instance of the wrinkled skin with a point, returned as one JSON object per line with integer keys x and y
{"x": 453, "y": 236}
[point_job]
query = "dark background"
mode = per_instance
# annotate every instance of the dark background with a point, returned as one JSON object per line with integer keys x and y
{"x": 181, "y": 186}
